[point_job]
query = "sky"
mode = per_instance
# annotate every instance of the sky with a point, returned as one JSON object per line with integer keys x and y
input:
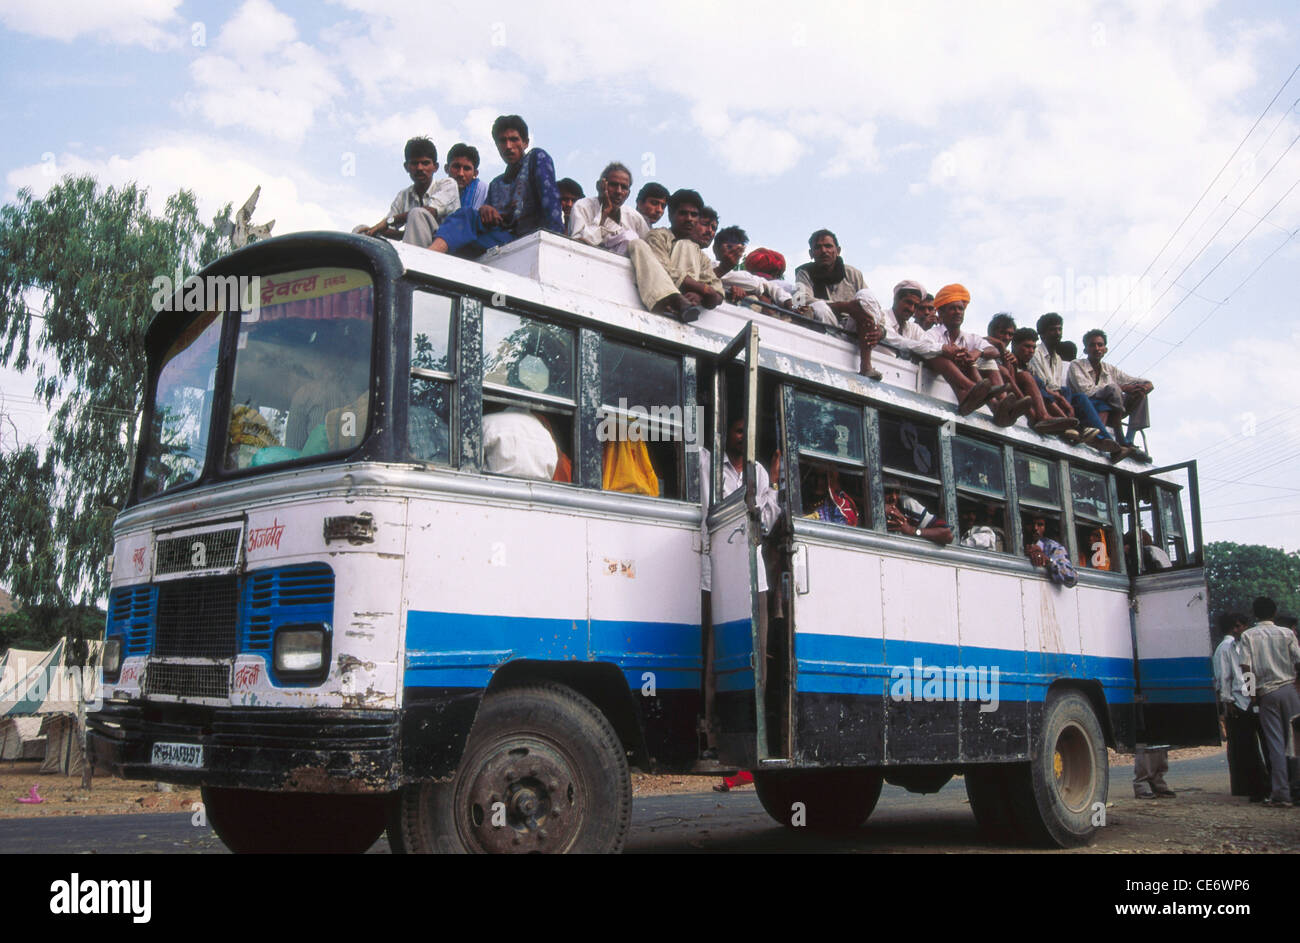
{"x": 1131, "y": 165}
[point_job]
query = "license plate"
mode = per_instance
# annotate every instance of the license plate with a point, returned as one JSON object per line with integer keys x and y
{"x": 188, "y": 755}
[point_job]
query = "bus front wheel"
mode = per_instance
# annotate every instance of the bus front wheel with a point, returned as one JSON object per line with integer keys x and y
{"x": 251, "y": 822}
{"x": 824, "y": 800}
{"x": 1064, "y": 801}
{"x": 543, "y": 771}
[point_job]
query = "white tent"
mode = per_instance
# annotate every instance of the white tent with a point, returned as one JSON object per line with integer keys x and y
{"x": 41, "y": 696}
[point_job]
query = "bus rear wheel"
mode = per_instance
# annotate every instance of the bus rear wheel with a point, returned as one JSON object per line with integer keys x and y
{"x": 1062, "y": 800}
{"x": 543, "y": 771}
{"x": 823, "y": 800}
{"x": 251, "y": 822}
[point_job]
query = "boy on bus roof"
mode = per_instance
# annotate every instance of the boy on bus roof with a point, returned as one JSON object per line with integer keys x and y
{"x": 462, "y": 166}
{"x": 652, "y": 201}
{"x": 423, "y": 205}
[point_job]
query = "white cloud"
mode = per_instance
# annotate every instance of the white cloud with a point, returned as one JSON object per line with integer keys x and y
{"x": 150, "y": 23}
{"x": 393, "y": 131}
{"x": 217, "y": 178}
{"x": 263, "y": 78}
{"x": 751, "y": 147}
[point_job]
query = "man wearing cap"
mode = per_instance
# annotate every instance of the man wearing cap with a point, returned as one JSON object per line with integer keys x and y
{"x": 673, "y": 275}
{"x": 902, "y": 332}
{"x": 959, "y": 351}
{"x": 840, "y": 287}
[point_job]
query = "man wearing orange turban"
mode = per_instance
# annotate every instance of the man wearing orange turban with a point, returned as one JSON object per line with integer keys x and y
{"x": 959, "y": 351}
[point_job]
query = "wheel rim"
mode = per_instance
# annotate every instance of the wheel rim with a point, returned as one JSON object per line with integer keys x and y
{"x": 521, "y": 795}
{"x": 1074, "y": 767}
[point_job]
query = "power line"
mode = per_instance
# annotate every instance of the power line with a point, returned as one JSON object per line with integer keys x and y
{"x": 1204, "y": 192}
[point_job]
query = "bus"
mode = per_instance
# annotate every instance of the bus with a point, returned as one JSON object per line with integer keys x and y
{"x": 348, "y": 597}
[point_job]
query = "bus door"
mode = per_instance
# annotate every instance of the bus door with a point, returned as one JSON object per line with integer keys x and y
{"x": 1172, "y": 642}
{"x": 734, "y": 535}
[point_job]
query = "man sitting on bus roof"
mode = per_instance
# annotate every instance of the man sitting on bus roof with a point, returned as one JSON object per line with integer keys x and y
{"x": 602, "y": 220}
{"x": 707, "y": 228}
{"x": 901, "y": 331}
{"x": 673, "y": 275}
{"x": 462, "y": 166}
{"x": 652, "y": 201}
{"x": 1046, "y": 416}
{"x": 435, "y": 200}
{"x": 840, "y": 287}
{"x": 906, "y": 515}
{"x": 1113, "y": 393}
{"x": 570, "y": 193}
{"x": 519, "y": 202}
{"x": 959, "y": 351}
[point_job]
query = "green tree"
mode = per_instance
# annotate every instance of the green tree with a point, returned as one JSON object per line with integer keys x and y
{"x": 1237, "y": 573}
{"x": 86, "y": 257}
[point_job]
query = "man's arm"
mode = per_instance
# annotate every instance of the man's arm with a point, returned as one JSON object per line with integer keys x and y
{"x": 584, "y": 223}
{"x": 548, "y": 197}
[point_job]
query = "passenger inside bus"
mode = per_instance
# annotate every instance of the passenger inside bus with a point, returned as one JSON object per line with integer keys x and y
{"x": 906, "y": 515}
{"x": 824, "y": 499}
{"x": 1047, "y": 552}
{"x": 975, "y": 529}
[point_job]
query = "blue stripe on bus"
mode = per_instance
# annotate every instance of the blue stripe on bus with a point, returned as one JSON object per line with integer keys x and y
{"x": 838, "y": 664}
{"x": 446, "y": 649}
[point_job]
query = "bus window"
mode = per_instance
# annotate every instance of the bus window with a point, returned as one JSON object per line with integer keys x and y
{"x": 642, "y": 422}
{"x": 182, "y": 407}
{"x": 302, "y": 368}
{"x": 1038, "y": 489}
{"x": 1094, "y": 533}
{"x": 909, "y": 452}
{"x": 1173, "y": 534}
{"x": 528, "y": 396}
{"x": 832, "y": 460}
{"x": 981, "y": 494}
{"x": 432, "y": 375}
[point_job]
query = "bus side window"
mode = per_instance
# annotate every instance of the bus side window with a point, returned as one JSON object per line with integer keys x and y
{"x": 831, "y": 461}
{"x": 432, "y": 378}
{"x": 528, "y": 396}
{"x": 1038, "y": 488}
{"x": 981, "y": 495}
{"x": 1095, "y": 537}
{"x": 642, "y": 421}
{"x": 909, "y": 452}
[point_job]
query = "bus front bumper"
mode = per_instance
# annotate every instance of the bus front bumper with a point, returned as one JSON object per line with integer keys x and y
{"x": 293, "y": 750}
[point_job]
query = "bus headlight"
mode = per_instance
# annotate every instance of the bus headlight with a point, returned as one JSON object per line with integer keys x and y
{"x": 112, "y": 658}
{"x": 302, "y": 652}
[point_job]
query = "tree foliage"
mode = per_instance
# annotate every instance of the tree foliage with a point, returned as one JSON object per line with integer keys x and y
{"x": 85, "y": 256}
{"x": 1237, "y": 573}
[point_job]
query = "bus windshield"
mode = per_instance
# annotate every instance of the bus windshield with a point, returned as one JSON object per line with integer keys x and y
{"x": 302, "y": 368}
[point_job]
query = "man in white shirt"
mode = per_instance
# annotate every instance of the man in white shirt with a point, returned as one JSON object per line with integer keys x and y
{"x": 902, "y": 332}
{"x": 516, "y": 443}
{"x": 1245, "y": 762}
{"x": 422, "y": 206}
{"x": 1269, "y": 655}
{"x": 602, "y": 220}
{"x": 1112, "y": 392}
{"x": 960, "y": 351}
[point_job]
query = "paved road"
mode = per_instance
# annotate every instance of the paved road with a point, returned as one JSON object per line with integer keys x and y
{"x": 690, "y": 822}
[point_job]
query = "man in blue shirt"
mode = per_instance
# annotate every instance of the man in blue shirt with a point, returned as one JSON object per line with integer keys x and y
{"x": 521, "y": 201}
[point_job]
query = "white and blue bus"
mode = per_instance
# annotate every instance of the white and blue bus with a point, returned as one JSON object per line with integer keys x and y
{"x": 344, "y": 600}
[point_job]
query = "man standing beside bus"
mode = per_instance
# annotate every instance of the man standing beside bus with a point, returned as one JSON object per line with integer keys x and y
{"x": 1246, "y": 776}
{"x": 1269, "y": 655}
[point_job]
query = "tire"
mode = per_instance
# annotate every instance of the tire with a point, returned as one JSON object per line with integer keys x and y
{"x": 252, "y": 822}
{"x": 543, "y": 771}
{"x": 989, "y": 789}
{"x": 1056, "y": 799}
{"x": 832, "y": 800}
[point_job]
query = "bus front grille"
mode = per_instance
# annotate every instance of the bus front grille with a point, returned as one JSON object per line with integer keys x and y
{"x": 198, "y": 618}
{"x": 187, "y": 680}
